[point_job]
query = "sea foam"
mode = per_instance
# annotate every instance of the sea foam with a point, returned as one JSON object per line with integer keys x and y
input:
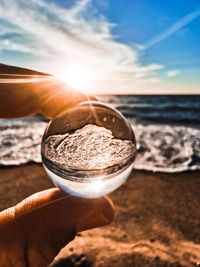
{"x": 165, "y": 148}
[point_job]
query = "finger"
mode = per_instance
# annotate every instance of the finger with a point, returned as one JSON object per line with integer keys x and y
{"x": 31, "y": 203}
{"x": 57, "y": 97}
{"x": 48, "y": 197}
{"x": 31, "y": 92}
{"x": 51, "y": 219}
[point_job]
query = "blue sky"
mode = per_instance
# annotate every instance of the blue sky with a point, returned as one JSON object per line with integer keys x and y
{"x": 123, "y": 46}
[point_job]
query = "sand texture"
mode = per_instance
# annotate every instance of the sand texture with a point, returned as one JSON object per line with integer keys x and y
{"x": 157, "y": 221}
{"x": 91, "y": 147}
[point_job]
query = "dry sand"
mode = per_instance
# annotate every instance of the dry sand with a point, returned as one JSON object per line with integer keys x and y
{"x": 157, "y": 220}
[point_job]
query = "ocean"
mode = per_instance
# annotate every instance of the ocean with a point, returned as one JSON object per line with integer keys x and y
{"x": 167, "y": 130}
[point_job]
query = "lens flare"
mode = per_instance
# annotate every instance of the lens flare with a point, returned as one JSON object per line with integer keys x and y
{"x": 78, "y": 77}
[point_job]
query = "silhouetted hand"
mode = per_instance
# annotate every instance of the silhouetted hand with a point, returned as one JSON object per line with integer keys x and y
{"x": 33, "y": 232}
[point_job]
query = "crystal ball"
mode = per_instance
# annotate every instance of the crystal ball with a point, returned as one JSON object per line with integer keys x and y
{"x": 88, "y": 151}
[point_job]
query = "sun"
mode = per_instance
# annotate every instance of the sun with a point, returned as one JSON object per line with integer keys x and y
{"x": 78, "y": 77}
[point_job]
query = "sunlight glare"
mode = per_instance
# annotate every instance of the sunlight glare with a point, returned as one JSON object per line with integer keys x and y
{"x": 78, "y": 77}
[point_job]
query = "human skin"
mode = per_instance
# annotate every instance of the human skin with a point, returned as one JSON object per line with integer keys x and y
{"x": 33, "y": 232}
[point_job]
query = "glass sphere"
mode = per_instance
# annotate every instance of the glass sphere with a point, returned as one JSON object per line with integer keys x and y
{"x": 88, "y": 151}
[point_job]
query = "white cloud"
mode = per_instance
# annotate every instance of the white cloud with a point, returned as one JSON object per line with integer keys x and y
{"x": 61, "y": 39}
{"x": 172, "y": 73}
{"x": 12, "y": 46}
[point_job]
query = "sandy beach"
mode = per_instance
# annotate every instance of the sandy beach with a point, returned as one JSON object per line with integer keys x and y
{"x": 157, "y": 221}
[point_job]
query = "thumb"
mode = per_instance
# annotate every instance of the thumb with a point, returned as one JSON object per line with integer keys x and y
{"x": 48, "y": 220}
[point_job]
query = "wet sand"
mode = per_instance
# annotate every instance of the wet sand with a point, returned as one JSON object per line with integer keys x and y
{"x": 157, "y": 221}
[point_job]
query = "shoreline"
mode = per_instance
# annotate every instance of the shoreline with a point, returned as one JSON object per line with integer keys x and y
{"x": 30, "y": 163}
{"x": 157, "y": 220}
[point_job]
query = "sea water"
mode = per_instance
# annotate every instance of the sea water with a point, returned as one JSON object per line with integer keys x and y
{"x": 166, "y": 128}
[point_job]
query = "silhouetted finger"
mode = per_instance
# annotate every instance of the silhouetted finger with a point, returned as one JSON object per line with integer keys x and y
{"x": 25, "y": 92}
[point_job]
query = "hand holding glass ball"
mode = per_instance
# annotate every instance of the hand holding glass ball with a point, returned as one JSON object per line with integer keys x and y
{"x": 88, "y": 151}
{"x": 40, "y": 217}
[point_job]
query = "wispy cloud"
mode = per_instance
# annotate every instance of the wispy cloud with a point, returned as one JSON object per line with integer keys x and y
{"x": 9, "y": 45}
{"x": 59, "y": 39}
{"x": 172, "y": 73}
{"x": 171, "y": 30}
